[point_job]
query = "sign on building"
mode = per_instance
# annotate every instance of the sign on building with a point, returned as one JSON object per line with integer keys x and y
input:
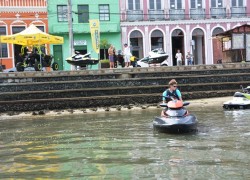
{"x": 80, "y": 42}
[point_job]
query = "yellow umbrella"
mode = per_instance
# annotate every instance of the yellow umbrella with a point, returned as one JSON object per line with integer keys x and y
{"x": 31, "y": 36}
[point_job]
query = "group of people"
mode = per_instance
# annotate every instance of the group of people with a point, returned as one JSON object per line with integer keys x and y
{"x": 179, "y": 58}
{"x": 126, "y": 55}
{"x": 128, "y": 58}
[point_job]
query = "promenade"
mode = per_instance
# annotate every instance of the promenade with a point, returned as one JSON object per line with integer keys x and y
{"x": 115, "y": 88}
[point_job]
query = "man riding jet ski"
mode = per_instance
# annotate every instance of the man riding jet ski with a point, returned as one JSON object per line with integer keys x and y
{"x": 176, "y": 118}
{"x": 241, "y": 100}
{"x": 81, "y": 60}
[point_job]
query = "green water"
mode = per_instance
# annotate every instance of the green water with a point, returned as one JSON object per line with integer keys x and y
{"x": 123, "y": 145}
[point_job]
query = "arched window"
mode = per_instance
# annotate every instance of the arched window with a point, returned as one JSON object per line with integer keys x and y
{"x": 217, "y": 30}
{"x": 156, "y": 39}
{"x": 198, "y": 32}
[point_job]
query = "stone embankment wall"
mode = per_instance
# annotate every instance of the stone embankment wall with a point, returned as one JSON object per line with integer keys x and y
{"x": 32, "y": 91}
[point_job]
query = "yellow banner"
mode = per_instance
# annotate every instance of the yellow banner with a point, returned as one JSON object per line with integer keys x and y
{"x": 95, "y": 34}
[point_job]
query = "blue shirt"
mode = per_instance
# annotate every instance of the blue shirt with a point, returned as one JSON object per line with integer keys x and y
{"x": 164, "y": 94}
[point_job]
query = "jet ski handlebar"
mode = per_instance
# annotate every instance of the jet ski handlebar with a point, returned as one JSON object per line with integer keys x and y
{"x": 166, "y": 104}
{"x": 245, "y": 90}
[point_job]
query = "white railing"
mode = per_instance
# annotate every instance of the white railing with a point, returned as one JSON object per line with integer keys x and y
{"x": 156, "y": 14}
{"x": 197, "y": 13}
{"x": 176, "y": 14}
{"x": 134, "y": 15}
{"x": 218, "y": 12}
{"x": 238, "y": 12}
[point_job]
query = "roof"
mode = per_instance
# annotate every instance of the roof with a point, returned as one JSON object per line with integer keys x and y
{"x": 245, "y": 28}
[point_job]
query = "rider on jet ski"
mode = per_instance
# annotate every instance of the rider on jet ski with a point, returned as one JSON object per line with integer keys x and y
{"x": 173, "y": 92}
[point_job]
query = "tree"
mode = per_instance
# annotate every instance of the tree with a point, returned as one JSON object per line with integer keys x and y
{"x": 104, "y": 44}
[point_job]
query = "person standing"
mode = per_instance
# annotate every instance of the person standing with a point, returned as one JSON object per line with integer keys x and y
{"x": 127, "y": 54}
{"x": 115, "y": 58}
{"x": 189, "y": 58}
{"x": 111, "y": 56}
{"x": 178, "y": 57}
{"x": 19, "y": 58}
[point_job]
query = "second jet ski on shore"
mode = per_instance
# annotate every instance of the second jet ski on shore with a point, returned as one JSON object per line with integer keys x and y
{"x": 82, "y": 60}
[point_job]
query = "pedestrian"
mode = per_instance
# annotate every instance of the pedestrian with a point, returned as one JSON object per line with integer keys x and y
{"x": 115, "y": 58}
{"x": 127, "y": 54}
{"x": 111, "y": 56}
{"x": 19, "y": 58}
{"x": 189, "y": 58}
{"x": 179, "y": 58}
{"x": 133, "y": 60}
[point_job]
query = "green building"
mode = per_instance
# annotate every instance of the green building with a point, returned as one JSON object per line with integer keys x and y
{"x": 82, "y": 11}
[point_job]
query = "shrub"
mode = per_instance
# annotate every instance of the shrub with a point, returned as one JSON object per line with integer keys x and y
{"x": 104, "y": 63}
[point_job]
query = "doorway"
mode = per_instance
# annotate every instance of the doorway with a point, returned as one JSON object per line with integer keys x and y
{"x": 217, "y": 47}
{"x": 136, "y": 41}
{"x": 17, "y": 48}
{"x": 81, "y": 49}
{"x": 157, "y": 40}
{"x": 199, "y": 46}
{"x": 58, "y": 55}
{"x": 177, "y": 43}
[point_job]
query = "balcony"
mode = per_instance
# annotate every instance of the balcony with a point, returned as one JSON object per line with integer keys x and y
{"x": 79, "y": 28}
{"x": 218, "y": 13}
{"x": 134, "y": 15}
{"x": 238, "y": 12}
{"x": 176, "y": 14}
{"x": 197, "y": 13}
{"x": 156, "y": 15}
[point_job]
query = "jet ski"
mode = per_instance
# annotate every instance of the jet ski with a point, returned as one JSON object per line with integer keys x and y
{"x": 82, "y": 60}
{"x": 157, "y": 56}
{"x": 241, "y": 100}
{"x": 176, "y": 120}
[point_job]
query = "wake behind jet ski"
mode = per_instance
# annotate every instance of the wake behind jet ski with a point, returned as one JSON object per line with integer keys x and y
{"x": 82, "y": 60}
{"x": 177, "y": 119}
{"x": 241, "y": 100}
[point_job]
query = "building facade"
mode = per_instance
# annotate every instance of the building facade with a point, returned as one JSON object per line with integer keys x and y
{"x": 82, "y": 11}
{"x": 15, "y": 16}
{"x": 187, "y": 25}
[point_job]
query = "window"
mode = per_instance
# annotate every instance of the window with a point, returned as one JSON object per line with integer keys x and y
{"x": 133, "y": 4}
{"x": 104, "y": 12}
{"x": 157, "y": 39}
{"x": 3, "y": 46}
{"x": 175, "y": 4}
{"x": 40, "y": 28}
{"x": 17, "y": 29}
{"x": 83, "y": 13}
{"x": 155, "y": 4}
{"x": 62, "y": 11}
{"x": 216, "y": 3}
{"x": 237, "y": 3}
{"x": 196, "y": 4}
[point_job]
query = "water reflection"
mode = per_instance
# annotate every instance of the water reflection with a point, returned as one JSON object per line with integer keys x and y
{"x": 123, "y": 145}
